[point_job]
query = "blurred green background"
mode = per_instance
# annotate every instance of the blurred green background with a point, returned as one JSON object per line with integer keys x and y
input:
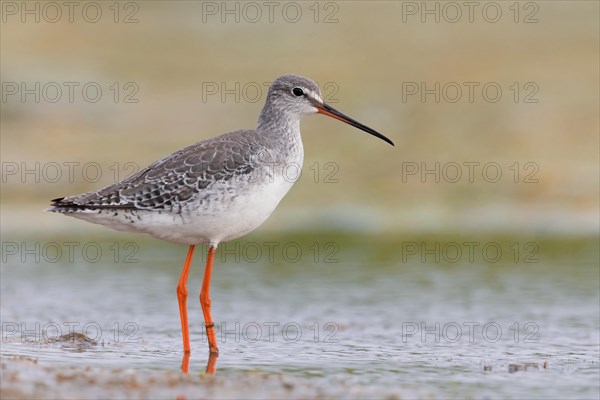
{"x": 170, "y": 56}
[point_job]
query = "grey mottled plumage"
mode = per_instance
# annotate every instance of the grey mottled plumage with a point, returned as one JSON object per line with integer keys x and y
{"x": 218, "y": 189}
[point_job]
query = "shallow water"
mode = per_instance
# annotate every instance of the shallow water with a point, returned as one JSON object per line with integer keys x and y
{"x": 436, "y": 316}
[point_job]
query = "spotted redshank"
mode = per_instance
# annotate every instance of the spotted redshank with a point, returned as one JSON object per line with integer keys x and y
{"x": 213, "y": 191}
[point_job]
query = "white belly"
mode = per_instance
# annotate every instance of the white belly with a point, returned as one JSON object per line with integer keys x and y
{"x": 229, "y": 219}
{"x": 228, "y": 214}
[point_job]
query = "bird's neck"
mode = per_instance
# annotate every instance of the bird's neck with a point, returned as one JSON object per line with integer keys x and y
{"x": 279, "y": 125}
{"x": 282, "y": 131}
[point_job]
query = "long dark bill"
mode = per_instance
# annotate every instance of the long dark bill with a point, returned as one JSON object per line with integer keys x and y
{"x": 326, "y": 109}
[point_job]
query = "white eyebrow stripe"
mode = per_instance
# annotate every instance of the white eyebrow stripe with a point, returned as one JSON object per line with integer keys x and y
{"x": 314, "y": 95}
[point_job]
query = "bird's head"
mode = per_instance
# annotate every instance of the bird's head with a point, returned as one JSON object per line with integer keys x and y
{"x": 295, "y": 95}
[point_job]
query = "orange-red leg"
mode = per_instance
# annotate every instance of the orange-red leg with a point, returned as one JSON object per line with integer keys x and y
{"x": 205, "y": 303}
{"x": 182, "y": 297}
{"x": 185, "y": 363}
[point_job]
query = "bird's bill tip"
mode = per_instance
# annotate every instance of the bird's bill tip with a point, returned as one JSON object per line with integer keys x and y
{"x": 326, "y": 109}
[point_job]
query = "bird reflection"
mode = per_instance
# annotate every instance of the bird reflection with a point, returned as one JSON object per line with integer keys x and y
{"x": 211, "y": 364}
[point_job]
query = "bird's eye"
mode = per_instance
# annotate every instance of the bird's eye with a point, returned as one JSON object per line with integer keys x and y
{"x": 297, "y": 91}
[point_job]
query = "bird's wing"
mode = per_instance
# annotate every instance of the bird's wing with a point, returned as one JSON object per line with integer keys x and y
{"x": 170, "y": 183}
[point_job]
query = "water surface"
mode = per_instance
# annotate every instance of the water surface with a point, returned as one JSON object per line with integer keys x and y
{"x": 399, "y": 313}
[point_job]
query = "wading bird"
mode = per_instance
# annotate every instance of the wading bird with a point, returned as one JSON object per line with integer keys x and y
{"x": 213, "y": 191}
